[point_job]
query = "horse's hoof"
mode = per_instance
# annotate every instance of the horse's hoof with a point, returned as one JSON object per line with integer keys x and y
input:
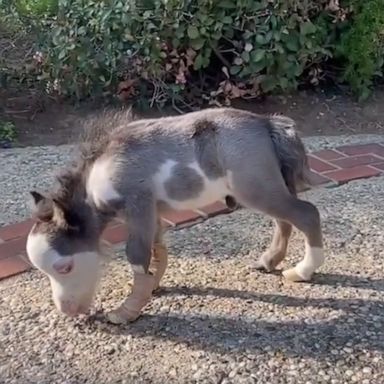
{"x": 117, "y": 318}
{"x": 261, "y": 265}
{"x": 292, "y": 275}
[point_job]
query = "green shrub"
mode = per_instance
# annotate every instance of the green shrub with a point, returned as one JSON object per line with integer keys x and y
{"x": 195, "y": 51}
{"x": 7, "y": 131}
{"x": 362, "y": 46}
{"x": 36, "y": 8}
{"x": 222, "y": 49}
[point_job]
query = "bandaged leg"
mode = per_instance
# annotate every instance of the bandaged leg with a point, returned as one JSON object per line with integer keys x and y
{"x": 130, "y": 309}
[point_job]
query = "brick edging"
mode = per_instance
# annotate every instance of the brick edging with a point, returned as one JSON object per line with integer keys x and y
{"x": 334, "y": 166}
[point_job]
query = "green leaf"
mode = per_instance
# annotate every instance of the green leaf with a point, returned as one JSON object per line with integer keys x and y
{"x": 268, "y": 83}
{"x": 273, "y": 21}
{"x": 260, "y": 39}
{"x": 245, "y": 56}
{"x": 292, "y": 43}
{"x": 219, "y": 26}
{"x": 245, "y": 72}
{"x": 193, "y": 32}
{"x": 62, "y": 54}
{"x": 257, "y": 55}
{"x": 279, "y": 48}
{"x": 175, "y": 42}
{"x": 228, "y": 4}
{"x": 81, "y": 31}
{"x": 307, "y": 28}
{"x": 56, "y": 39}
{"x": 202, "y": 17}
{"x": 268, "y": 36}
{"x": 284, "y": 83}
{"x": 247, "y": 35}
{"x": 276, "y": 35}
{"x": 259, "y": 66}
{"x": 198, "y": 62}
{"x": 235, "y": 69}
{"x": 216, "y": 35}
{"x": 197, "y": 43}
{"x": 227, "y": 20}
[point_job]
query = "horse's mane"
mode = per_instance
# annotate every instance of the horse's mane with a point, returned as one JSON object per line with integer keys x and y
{"x": 97, "y": 129}
{"x": 94, "y": 137}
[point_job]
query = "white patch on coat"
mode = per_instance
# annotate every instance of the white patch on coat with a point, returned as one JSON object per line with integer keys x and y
{"x": 72, "y": 292}
{"x": 164, "y": 173}
{"x": 313, "y": 259}
{"x": 213, "y": 189}
{"x": 99, "y": 184}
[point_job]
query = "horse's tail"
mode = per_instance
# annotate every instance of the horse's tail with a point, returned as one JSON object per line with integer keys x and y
{"x": 291, "y": 153}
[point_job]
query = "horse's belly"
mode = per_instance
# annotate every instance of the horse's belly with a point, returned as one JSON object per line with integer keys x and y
{"x": 184, "y": 187}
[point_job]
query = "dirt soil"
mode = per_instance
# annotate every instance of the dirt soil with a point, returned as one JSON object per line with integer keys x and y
{"x": 326, "y": 112}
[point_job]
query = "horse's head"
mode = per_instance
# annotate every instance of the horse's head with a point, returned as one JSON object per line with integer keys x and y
{"x": 64, "y": 245}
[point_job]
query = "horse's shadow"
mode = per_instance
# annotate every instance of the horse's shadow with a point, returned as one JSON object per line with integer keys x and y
{"x": 359, "y": 324}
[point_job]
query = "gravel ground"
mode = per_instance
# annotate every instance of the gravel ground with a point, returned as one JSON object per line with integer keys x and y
{"x": 25, "y": 169}
{"x": 217, "y": 320}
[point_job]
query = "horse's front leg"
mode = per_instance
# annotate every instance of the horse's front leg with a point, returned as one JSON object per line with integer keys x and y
{"x": 141, "y": 237}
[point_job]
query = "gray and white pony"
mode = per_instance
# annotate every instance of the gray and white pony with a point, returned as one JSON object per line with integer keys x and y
{"x": 140, "y": 169}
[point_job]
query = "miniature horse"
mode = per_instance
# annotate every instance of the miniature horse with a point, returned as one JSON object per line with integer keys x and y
{"x": 140, "y": 169}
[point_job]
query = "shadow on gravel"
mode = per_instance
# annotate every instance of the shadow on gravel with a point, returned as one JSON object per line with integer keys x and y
{"x": 350, "y": 281}
{"x": 359, "y": 324}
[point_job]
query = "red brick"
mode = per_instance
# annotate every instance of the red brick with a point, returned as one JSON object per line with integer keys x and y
{"x": 347, "y": 174}
{"x": 12, "y": 247}
{"x": 13, "y": 231}
{"x": 353, "y": 161}
{"x": 328, "y": 154}
{"x": 362, "y": 149}
{"x": 166, "y": 224}
{"x": 115, "y": 234}
{"x": 317, "y": 179}
{"x": 379, "y": 166}
{"x": 176, "y": 218}
{"x": 319, "y": 166}
{"x": 213, "y": 209}
{"x": 12, "y": 266}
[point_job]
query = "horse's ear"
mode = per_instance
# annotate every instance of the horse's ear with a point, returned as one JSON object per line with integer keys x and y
{"x": 37, "y": 197}
{"x": 41, "y": 206}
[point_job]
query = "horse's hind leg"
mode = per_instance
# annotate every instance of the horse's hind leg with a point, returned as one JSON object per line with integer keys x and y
{"x": 305, "y": 217}
{"x": 277, "y": 251}
{"x": 275, "y": 200}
